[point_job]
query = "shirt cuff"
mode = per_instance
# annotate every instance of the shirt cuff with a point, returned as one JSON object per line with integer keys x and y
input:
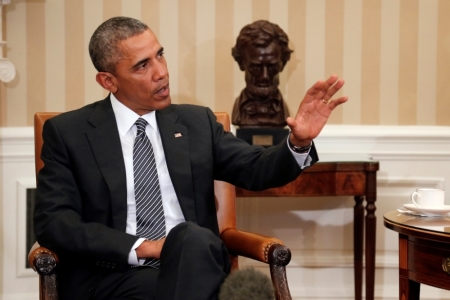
{"x": 132, "y": 256}
{"x": 303, "y": 159}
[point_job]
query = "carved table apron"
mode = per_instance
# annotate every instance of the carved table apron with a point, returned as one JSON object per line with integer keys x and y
{"x": 341, "y": 178}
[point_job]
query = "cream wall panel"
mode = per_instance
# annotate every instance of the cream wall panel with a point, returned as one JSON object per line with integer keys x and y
{"x": 443, "y": 66}
{"x": 16, "y": 51}
{"x": 55, "y": 56}
{"x": 260, "y": 9}
{"x": 295, "y": 68}
{"x": 278, "y": 10}
{"x": 315, "y": 41}
{"x": 205, "y": 54}
{"x": 151, "y": 15}
{"x": 187, "y": 46}
{"x": 392, "y": 54}
{"x": 35, "y": 84}
{"x": 112, "y": 8}
{"x": 132, "y": 9}
{"x": 334, "y": 47}
{"x": 242, "y": 17}
{"x": 75, "y": 54}
{"x": 93, "y": 11}
{"x": 168, "y": 37}
{"x": 408, "y": 64}
{"x": 352, "y": 61}
{"x": 370, "y": 62}
{"x": 427, "y": 68}
{"x": 390, "y": 11}
{"x": 224, "y": 92}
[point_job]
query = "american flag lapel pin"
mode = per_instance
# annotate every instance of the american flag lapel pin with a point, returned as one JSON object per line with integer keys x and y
{"x": 178, "y": 134}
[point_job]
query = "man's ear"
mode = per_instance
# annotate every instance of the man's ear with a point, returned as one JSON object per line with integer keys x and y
{"x": 106, "y": 80}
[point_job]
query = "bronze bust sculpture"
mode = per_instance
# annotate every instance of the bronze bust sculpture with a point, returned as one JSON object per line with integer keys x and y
{"x": 261, "y": 51}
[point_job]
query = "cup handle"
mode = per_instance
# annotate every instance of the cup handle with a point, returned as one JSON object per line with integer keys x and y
{"x": 414, "y": 200}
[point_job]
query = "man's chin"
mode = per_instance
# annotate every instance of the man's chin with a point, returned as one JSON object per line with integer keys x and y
{"x": 163, "y": 103}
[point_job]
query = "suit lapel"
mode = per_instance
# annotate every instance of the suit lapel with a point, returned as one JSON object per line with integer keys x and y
{"x": 105, "y": 143}
{"x": 175, "y": 140}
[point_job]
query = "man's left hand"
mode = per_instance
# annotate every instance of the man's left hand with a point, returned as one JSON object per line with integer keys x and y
{"x": 314, "y": 110}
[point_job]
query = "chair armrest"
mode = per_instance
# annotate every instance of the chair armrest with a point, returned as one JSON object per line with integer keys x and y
{"x": 42, "y": 260}
{"x": 265, "y": 249}
{"x": 256, "y": 246}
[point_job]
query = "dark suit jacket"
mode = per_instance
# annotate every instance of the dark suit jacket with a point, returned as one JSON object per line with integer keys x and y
{"x": 81, "y": 195}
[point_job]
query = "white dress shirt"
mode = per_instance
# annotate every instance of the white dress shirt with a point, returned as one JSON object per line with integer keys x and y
{"x": 126, "y": 119}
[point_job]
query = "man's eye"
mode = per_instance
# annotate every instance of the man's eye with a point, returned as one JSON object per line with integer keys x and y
{"x": 143, "y": 65}
{"x": 161, "y": 54}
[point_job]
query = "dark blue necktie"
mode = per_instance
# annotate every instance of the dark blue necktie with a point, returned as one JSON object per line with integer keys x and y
{"x": 149, "y": 208}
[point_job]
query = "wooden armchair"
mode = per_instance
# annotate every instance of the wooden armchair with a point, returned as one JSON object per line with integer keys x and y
{"x": 258, "y": 247}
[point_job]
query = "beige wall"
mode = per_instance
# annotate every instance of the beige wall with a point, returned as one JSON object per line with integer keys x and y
{"x": 394, "y": 54}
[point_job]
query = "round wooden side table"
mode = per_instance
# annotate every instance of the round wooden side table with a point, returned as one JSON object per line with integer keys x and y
{"x": 424, "y": 251}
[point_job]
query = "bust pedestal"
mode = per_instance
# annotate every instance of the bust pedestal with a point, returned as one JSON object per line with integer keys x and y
{"x": 263, "y": 136}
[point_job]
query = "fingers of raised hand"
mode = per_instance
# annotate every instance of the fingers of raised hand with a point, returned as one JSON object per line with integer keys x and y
{"x": 322, "y": 88}
{"x": 335, "y": 102}
{"x": 332, "y": 89}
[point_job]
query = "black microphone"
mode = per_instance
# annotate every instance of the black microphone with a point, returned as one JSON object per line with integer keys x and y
{"x": 247, "y": 284}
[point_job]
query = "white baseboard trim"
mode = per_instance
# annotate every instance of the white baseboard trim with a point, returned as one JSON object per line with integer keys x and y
{"x": 27, "y": 296}
{"x": 326, "y": 259}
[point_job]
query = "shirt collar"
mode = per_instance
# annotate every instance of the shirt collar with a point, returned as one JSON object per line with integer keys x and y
{"x": 126, "y": 118}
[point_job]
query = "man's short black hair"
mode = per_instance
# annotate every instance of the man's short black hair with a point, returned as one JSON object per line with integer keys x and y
{"x": 104, "y": 44}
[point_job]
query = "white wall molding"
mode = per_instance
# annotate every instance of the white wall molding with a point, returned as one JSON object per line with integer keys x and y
{"x": 386, "y": 142}
{"x": 20, "y": 296}
{"x": 16, "y": 144}
{"x": 387, "y": 132}
{"x": 16, "y": 174}
{"x": 328, "y": 259}
{"x": 22, "y": 185}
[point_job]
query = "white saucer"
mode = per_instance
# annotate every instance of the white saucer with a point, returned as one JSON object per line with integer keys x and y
{"x": 444, "y": 209}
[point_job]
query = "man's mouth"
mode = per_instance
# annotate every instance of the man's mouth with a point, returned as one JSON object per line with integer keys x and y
{"x": 163, "y": 91}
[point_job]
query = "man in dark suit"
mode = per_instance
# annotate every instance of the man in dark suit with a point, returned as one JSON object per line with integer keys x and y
{"x": 86, "y": 205}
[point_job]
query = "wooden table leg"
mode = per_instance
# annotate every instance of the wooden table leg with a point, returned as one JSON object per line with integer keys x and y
{"x": 370, "y": 237}
{"x": 358, "y": 238}
{"x": 408, "y": 289}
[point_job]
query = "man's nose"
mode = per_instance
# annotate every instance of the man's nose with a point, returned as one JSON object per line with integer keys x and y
{"x": 160, "y": 71}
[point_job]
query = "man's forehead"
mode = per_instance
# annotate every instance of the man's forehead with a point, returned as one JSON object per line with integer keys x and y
{"x": 145, "y": 41}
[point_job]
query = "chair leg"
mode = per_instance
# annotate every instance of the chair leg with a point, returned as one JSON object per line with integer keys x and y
{"x": 279, "y": 256}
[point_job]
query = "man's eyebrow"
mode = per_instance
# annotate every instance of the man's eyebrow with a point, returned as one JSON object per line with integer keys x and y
{"x": 145, "y": 60}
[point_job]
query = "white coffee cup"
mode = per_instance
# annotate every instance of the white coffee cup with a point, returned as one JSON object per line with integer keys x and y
{"x": 428, "y": 198}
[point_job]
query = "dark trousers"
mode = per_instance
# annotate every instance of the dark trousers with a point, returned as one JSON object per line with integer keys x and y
{"x": 194, "y": 263}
